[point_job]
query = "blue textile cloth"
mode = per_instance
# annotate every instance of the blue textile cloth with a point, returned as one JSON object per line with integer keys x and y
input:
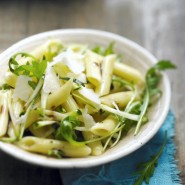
{"x": 122, "y": 171}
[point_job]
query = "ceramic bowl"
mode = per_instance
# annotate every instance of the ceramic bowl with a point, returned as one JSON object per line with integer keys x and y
{"x": 134, "y": 55}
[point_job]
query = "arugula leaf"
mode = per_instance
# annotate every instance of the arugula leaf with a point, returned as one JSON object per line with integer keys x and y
{"x": 153, "y": 77}
{"x": 144, "y": 107}
{"x": 32, "y": 84}
{"x": 133, "y": 108}
{"x": 66, "y": 130}
{"x": 34, "y": 68}
{"x": 164, "y": 64}
{"x": 122, "y": 82}
{"x": 146, "y": 169}
{"x": 104, "y": 51}
{"x": 14, "y": 65}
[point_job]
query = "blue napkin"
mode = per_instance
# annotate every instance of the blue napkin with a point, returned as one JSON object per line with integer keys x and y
{"x": 122, "y": 171}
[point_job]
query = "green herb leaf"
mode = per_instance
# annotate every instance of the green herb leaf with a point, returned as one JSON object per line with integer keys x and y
{"x": 122, "y": 82}
{"x": 146, "y": 169}
{"x": 32, "y": 68}
{"x": 165, "y": 64}
{"x": 153, "y": 77}
{"x": 32, "y": 84}
{"x": 38, "y": 69}
{"x": 66, "y": 130}
{"x": 104, "y": 51}
{"x": 144, "y": 107}
{"x": 14, "y": 66}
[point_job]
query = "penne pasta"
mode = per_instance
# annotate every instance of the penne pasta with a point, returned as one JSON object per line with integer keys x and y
{"x": 77, "y": 48}
{"x": 43, "y": 146}
{"x": 10, "y": 79}
{"x": 72, "y": 100}
{"x": 105, "y": 127}
{"x": 120, "y": 98}
{"x": 87, "y": 96}
{"x": 42, "y": 132}
{"x": 70, "y": 104}
{"x": 11, "y": 131}
{"x": 93, "y": 64}
{"x": 4, "y": 117}
{"x": 129, "y": 73}
{"x": 59, "y": 97}
{"x": 107, "y": 70}
{"x": 61, "y": 69}
{"x": 96, "y": 147}
{"x": 32, "y": 117}
{"x": 48, "y": 50}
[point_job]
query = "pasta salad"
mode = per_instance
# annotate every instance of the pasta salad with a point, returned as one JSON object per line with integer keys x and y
{"x": 70, "y": 100}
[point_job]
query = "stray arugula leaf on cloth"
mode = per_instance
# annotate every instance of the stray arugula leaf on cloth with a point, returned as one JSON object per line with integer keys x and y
{"x": 153, "y": 78}
{"x": 146, "y": 169}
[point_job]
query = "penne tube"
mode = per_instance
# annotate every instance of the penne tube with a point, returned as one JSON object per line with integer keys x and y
{"x": 11, "y": 79}
{"x": 39, "y": 52}
{"x": 4, "y": 117}
{"x": 88, "y": 97}
{"x": 107, "y": 70}
{"x": 77, "y": 48}
{"x": 43, "y": 146}
{"x": 18, "y": 108}
{"x": 42, "y": 132}
{"x": 120, "y": 98}
{"x": 105, "y": 127}
{"x": 70, "y": 104}
{"x": 128, "y": 73}
{"x": 89, "y": 86}
{"x": 15, "y": 109}
{"x": 56, "y": 115}
{"x": 61, "y": 69}
{"x": 11, "y": 131}
{"x": 96, "y": 147}
{"x": 48, "y": 49}
{"x": 59, "y": 96}
{"x": 90, "y": 109}
{"x": 32, "y": 117}
{"x": 93, "y": 72}
{"x": 70, "y": 100}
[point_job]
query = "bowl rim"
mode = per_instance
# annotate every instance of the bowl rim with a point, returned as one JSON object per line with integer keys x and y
{"x": 55, "y": 163}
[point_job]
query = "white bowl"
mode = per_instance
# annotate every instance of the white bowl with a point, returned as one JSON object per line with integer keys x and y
{"x": 134, "y": 55}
